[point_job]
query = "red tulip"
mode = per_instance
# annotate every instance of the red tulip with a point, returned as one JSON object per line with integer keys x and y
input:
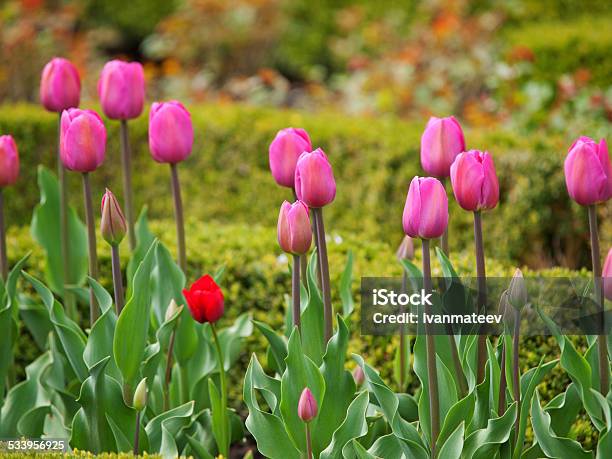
{"x": 205, "y": 300}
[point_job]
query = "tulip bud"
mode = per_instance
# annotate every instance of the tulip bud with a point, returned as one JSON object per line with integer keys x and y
{"x": 607, "y": 276}
{"x": 588, "y": 172}
{"x": 205, "y": 300}
{"x": 307, "y": 406}
{"x": 82, "y": 140}
{"x": 9, "y": 161}
{"x": 474, "y": 181}
{"x": 358, "y": 376}
{"x": 60, "y": 85}
{"x": 140, "y": 395}
{"x": 314, "y": 179}
{"x": 284, "y": 152}
{"x": 112, "y": 226}
{"x": 406, "y": 249}
{"x": 294, "y": 230}
{"x": 441, "y": 142}
{"x": 517, "y": 292}
{"x": 426, "y": 209}
{"x": 170, "y": 132}
{"x": 121, "y": 89}
{"x": 172, "y": 310}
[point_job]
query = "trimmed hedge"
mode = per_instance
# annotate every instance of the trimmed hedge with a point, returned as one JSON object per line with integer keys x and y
{"x": 227, "y": 178}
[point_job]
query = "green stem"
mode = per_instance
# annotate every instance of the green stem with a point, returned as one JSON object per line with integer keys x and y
{"x": 482, "y": 293}
{"x": 91, "y": 240}
{"x": 117, "y": 279}
{"x": 444, "y": 238}
{"x": 402, "y": 378}
{"x": 178, "y": 214}
{"x": 432, "y": 373}
{"x": 602, "y": 345}
{"x": 137, "y": 434}
{"x": 515, "y": 367}
{"x": 308, "y": 442}
{"x": 3, "y": 257}
{"x": 69, "y": 300}
{"x": 224, "y": 447}
{"x": 325, "y": 282}
{"x": 295, "y": 290}
{"x": 126, "y": 161}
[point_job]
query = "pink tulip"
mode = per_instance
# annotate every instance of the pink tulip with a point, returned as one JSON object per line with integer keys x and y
{"x": 426, "y": 209}
{"x": 121, "y": 89}
{"x": 170, "y": 132}
{"x": 294, "y": 231}
{"x": 82, "y": 140}
{"x": 474, "y": 181}
{"x": 60, "y": 85}
{"x": 284, "y": 152}
{"x": 307, "y": 406}
{"x": 441, "y": 142}
{"x": 314, "y": 179}
{"x": 588, "y": 173}
{"x": 9, "y": 161}
{"x": 607, "y": 276}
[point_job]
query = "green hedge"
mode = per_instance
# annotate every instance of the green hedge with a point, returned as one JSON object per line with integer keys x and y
{"x": 227, "y": 177}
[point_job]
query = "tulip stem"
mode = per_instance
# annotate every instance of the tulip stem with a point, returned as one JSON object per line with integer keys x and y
{"x": 64, "y": 246}
{"x": 501, "y": 407}
{"x": 515, "y": 367}
{"x": 91, "y": 239}
{"x": 602, "y": 345}
{"x": 295, "y": 290}
{"x": 432, "y": 373}
{"x": 126, "y": 161}
{"x": 169, "y": 370}
{"x": 137, "y": 434}
{"x": 178, "y": 214}
{"x": 444, "y": 238}
{"x": 482, "y": 293}
{"x": 117, "y": 279}
{"x": 3, "y": 257}
{"x": 324, "y": 266}
{"x": 308, "y": 442}
{"x": 222, "y": 444}
{"x": 402, "y": 378}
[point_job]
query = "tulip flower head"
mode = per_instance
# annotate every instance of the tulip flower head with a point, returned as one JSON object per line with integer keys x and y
{"x": 9, "y": 161}
{"x": 588, "y": 172}
{"x": 294, "y": 230}
{"x": 170, "y": 132}
{"x": 314, "y": 179}
{"x": 517, "y": 292}
{"x": 284, "y": 152}
{"x": 474, "y": 181}
{"x": 358, "y": 376}
{"x": 607, "y": 276}
{"x": 307, "y": 406}
{"x": 82, "y": 140}
{"x": 140, "y": 395}
{"x": 112, "y": 225}
{"x": 172, "y": 310}
{"x": 205, "y": 300}
{"x": 426, "y": 209}
{"x": 441, "y": 142}
{"x": 60, "y": 85}
{"x": 121, "y": 89}
{"x": 406, "y": 249}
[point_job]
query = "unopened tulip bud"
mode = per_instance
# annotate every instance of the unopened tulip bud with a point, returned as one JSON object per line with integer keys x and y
{"x": 441, "y": 142}
{"x": 60, "y": 85}
{"x": 294, "y": 230}
{"x": 474, "y": 181}
{"x": 284, "y": 152}
{"x": 358, "y": 376}
{"x": 607, "y": 276}
{"x": 588, "y": 172}
{"x": 112, "y": 225}
{"x": 82, "y": 140}
{"x": 307, "y": 406}
{"x": 140, "y": 395}
{"x": 173, "y": 309}
{"x": 121, "y": 89}
{"x": 517, "y": 292}
{"x": 406, "y": 249}
{"x": 9, "y": 161}
{"x": 426, "y": 209}
{"x": 170, "y": 132}
{"x": 314, "y": 179}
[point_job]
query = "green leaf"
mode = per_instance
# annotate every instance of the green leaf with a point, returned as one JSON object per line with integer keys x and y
{"x": 552, "y": 445}
{"x": 45, "y": 229}
{"x": 563, "y": 410}
{"x": 354, "y": 449}
{"x": 386, "y": 446}
{"x": 397, "y": 367}
{"x": 198, "y": 448}
{"x": 133, "y": 324}
{"x": 312, "y": 318}
{"x": 220, "y": 426}
{"x": 278, "y": 345}
{"x": 144, "y": 240}
{"x": 346, "y": 292}
{"x": 485, "y": 442}
{"x": 460, "y": 412}
{"x": 414, "y": 274}
{"x": 163, "y": 429}
{"x": 353, "y": 426}
{"x": 451, "y": 448}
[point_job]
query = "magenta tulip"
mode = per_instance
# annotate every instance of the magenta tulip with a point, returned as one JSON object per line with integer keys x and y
{"x": 121, "y": 89}
{"x": 82, "y": 140}
{"x": 9, "y": 161}
{"x": 441, "y": 142}
{"x": 588, "y": 173}
{"x": 426, "y": 209}
{"x": 294, "y": 230}
{"x": 474, "y": 181}
{"x": 307, "y": 406}
{"x": 284, "y": 152}
{"x": 314, "y": 179}
{"x": 60, "y": 85}
{"x": 607, "y": 276}
{"x": 170, "y": 132}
